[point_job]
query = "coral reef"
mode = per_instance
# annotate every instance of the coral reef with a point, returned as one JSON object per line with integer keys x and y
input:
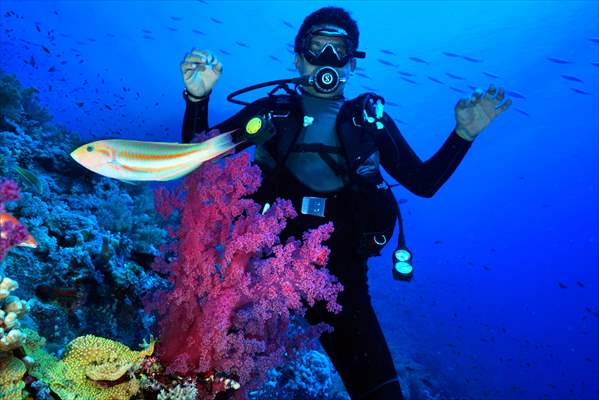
{"x": 90, "y": 368}
{"x": 12, "y": 371}
{"x": 234, "y": 284}
{"x": 96, "y": 237}
{"x": 12, "y": 309}
{"x": 179, "y": 392}
{"x": 307, "y": 377}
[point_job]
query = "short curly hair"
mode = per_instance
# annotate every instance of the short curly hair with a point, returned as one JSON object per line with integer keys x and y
{"x": 328, "y": 15}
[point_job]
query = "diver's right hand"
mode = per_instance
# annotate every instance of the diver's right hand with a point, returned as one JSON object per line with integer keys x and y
{"x": 200, "y": 70}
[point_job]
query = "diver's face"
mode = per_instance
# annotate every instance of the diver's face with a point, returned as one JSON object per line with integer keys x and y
{"x": 305, "y": 68}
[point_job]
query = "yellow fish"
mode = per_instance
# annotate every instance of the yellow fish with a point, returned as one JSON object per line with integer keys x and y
{"x": 134, "y": 160}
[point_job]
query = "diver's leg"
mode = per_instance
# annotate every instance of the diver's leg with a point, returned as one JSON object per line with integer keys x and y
{"x": 357, "y": 346}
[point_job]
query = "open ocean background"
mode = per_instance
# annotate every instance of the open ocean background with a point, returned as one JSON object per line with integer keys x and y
{"x": 505, "y": 299}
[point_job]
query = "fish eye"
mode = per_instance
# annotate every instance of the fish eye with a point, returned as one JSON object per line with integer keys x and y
{"x": 90, "y": 148}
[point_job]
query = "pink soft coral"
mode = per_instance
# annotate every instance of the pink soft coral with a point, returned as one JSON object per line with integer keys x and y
{"x": 235, "y": 285}
{"x": 11, "y": 234}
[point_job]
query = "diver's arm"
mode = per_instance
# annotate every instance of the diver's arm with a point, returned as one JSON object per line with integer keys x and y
{"x": 195, "y": 121}
{"x": 404, "y": 165}
{"x": 196, "y": 117}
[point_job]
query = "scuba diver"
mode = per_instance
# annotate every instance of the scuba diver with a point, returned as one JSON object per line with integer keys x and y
{"x": 323, "y": 152}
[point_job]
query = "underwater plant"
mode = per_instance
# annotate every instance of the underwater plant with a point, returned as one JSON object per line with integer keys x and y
{"x": 234, "y": 285}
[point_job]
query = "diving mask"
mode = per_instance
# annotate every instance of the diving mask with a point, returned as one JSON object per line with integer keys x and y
{"x": 335, "y": 52}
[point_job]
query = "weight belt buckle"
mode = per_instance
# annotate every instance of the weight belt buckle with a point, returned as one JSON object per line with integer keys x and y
{"x": 313, "y": 206}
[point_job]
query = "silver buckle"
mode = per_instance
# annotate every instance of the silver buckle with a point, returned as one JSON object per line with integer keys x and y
{"x": 313, "y": 206}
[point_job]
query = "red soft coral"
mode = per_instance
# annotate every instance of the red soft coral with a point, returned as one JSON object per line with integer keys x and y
{"x": 235, "y": 285}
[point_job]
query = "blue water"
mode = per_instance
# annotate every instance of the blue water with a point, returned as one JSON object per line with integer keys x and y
{"x": 485, "y": 314}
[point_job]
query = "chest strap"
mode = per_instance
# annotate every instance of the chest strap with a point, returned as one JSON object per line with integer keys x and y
{"x": 323, "y": 151}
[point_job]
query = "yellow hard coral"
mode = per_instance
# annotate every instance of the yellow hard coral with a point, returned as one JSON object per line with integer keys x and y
{"x": 12, "y": 371}
{"x": 92, "y": 368}
{"x": 102, "y": 359}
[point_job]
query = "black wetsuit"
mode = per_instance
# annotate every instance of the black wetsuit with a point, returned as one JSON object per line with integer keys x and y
{"x": 357, "y": 347}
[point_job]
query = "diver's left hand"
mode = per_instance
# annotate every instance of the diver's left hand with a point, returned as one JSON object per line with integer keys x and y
{"x": 475, "y": 114}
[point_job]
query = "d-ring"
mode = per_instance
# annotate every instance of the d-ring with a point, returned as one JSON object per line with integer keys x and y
{"x": 377, "y": 242}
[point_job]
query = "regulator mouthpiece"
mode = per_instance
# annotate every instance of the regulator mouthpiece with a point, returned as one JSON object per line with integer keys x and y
{"x": 326, "y": 79}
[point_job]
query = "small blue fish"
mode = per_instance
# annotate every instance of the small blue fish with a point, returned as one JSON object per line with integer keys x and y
{"x": 418, "y": 60}
{"x": 218, "y": 21}
{"x": 579, "y": 91}
{"x": 471, "y": 59}
{"x": 594, "y": 39}
{"x": 472, "y": 87}
{"x": 399, "y": 121}
{"x": 490, "y": 75}
{"x": 362, "y": 75}
{"x": 384, "y": 62}
{"x": 274, "y": 58}
{"x": 515, "y": 94}
{"x": 198, "y": 32}
{"x": 457, "y": 90}
{"x": 408, "y": 80}
{"x": 176, "y": 18}
{"x": 434, "y": 80}
{"x": 146, "y": 31}
{"x": 110, "y": 35}
{"x": 522, "y": 111}
{"x": 170, "y": 28}
{"x": 369, "y": 88}
{"x": 596, "y": 64}
{"x": 448, "y": 54}
{"x": 224, "y": 52}
{"x": 392, "y": 104}
{"x": 288, "y": 24}
{"x": 405, "y": 73}
{"x": 360, "y": 69}
{"x": 242, "y": 44}
{"x": 148, "y": 37}
{"x": 572, "y": 78}
{"x": 387, "y": 52}
{"x": 454, "y": 76}
{"x": 558, "y": 60}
